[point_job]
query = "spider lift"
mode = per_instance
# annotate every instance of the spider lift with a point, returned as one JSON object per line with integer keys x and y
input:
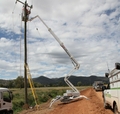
{"x": 70, "y": 95}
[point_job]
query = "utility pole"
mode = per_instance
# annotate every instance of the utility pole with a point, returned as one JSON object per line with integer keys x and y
{"x": 25, "y": 18}
{"x": 25, "y": 52}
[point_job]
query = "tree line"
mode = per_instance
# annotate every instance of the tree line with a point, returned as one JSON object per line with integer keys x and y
{"x": 19, "y": 83}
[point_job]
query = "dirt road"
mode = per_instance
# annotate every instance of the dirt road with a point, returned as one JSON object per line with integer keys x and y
{"x": 92, "y": 106}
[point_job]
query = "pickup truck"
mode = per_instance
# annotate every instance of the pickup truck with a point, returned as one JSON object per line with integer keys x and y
{"x": 111, "y": 93}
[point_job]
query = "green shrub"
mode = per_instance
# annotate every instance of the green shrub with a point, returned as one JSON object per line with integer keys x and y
{"x": 43, "y": 97}
{"x": 31, "y": 100}
{"x": 17, "y": 106}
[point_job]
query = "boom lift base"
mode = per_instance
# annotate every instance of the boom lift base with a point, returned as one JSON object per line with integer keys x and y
{"x": 67, "y": 98}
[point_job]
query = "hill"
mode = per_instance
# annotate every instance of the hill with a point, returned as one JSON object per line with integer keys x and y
{"x": 82, "y": 80}
{"x": 45, "y": 81}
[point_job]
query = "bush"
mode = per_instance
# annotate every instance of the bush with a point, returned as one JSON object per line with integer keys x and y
{"x": 17, "y": 106}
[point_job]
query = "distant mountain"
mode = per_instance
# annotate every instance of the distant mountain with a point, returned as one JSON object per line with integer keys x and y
{"x": 74, "y": 79}
{"x": 83, "y": 81}
{"x": 43, "y": 80}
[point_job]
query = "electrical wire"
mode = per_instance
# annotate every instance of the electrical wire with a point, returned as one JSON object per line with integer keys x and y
{"x": 21, "y": 49}
{"x": 20, "y": 40}
{"x": 15, "y": 47}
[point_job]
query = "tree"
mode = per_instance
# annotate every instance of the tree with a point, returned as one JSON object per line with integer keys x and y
{"x": 36, "y": 84}
{"x": 79, "y": 83}
{"x": 19, "y": 82}
{"x": 11, "y": 83}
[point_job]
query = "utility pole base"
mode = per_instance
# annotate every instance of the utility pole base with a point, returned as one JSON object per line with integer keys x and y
{"x": 26, "y": 106}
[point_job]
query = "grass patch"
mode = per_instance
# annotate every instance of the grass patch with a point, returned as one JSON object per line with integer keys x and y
{"x": 44, "y": 94}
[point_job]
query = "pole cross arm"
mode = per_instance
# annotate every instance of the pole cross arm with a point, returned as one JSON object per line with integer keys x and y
{"x": 24, "y": 3}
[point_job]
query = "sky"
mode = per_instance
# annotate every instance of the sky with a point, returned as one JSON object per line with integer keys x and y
{"x": 89, "y": 29}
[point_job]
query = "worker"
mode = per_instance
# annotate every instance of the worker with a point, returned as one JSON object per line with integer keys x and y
{"x": 27, "y": 14}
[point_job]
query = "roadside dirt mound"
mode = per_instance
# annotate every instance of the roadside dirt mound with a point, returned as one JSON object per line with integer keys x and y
{"x": 92, "y": 106}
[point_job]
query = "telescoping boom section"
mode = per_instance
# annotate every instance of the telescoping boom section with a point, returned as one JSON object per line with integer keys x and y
{"x": 70, "y": 95}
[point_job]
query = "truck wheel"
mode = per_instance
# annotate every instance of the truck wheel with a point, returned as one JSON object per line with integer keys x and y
{"x": 4, "y": 112}
{"x": 10, "y": 112}
{"x": 115, "y": 109}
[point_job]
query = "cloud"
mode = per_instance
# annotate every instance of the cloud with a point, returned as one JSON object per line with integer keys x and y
{"x": 88, "y": 29}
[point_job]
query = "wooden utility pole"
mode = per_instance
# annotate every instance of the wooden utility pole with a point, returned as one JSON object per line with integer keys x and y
{"x": 25, "y": 52}
{"x": 25, "y": 18}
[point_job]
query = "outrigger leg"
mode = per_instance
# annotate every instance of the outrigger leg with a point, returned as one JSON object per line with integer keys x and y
{"x": 55, "y": 99}
{"x": 67, "y": 99}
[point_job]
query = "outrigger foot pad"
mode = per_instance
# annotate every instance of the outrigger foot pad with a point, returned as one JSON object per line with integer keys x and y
{"x": 82, "y": 96}
{"x": 67, "y": 99}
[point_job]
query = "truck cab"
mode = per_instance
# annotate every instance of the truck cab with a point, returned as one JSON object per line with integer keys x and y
{"x": 97, "y": 85}
{"x": 6, "y": 101}
{"x": 111, "y": 94}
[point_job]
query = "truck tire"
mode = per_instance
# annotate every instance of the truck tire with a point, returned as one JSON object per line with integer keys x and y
{"x": 3, "y": 112}
{"x": 117, "y": 66}
{"x": 115, "y": 109}
{"x": 10, "y": 112}
{"x": 6, "y": 112}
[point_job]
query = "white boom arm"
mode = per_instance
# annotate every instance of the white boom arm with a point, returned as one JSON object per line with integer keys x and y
{"x": 75, "y": 63}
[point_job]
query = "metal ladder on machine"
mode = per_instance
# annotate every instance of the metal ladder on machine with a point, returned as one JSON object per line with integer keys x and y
{"x": 32, "y": 87}
{"x": 70, "y": 95}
